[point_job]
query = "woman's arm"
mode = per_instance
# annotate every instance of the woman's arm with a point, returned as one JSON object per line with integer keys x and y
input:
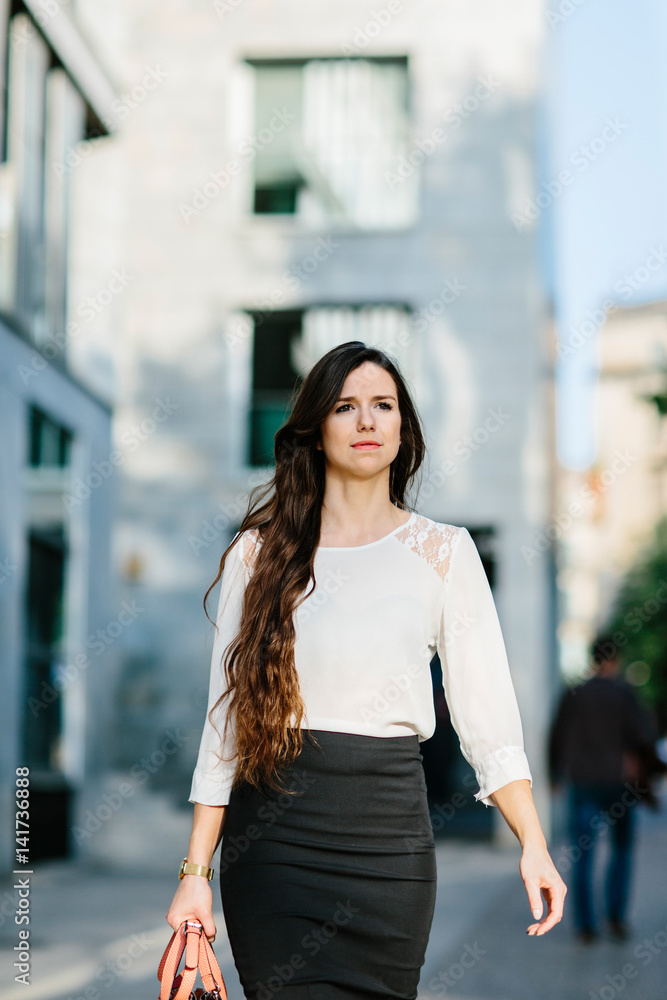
{"x": 216, "y": 765}
{"x": 476, "y": 675}
{"x": 193, "y": 899}
{"x": 207, "y": 825}
{"x": 539, "y": 874}
{"x": 212, "y": 779}
{"x": 485, "y": 714}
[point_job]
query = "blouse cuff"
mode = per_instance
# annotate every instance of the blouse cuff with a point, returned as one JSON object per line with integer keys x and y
{"x": 508, "y": 763}
{"x": 211, "y": 791}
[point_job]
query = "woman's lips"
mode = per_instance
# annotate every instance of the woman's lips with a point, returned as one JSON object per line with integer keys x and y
{"x": 365, "y": 447}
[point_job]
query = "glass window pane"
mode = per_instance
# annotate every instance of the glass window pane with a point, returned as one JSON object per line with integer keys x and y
{"x": 278, "y": 102}
{"x": 274, "y": 379}
{"x": 49, "y": 442}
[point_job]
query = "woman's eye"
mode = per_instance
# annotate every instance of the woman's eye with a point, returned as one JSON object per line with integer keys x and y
{"x": 342, "y": 407}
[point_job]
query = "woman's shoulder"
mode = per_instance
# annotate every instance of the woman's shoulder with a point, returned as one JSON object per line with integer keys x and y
{"x": 425, "y": 531}
{"x": 246, "y": 544}
{"x": 433, "y": 541}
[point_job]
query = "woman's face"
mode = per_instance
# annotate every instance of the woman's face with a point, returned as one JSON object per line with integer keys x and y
{"x": 367, "y": 410}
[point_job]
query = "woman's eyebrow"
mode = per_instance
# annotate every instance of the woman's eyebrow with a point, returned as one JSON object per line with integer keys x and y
{"x": 346, "y": 399}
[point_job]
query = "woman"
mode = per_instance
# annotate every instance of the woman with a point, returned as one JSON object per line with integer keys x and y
{"x": 315, "y": 783}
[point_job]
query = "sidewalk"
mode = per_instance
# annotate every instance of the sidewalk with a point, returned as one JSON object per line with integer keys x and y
{"x": 98, "y": 933}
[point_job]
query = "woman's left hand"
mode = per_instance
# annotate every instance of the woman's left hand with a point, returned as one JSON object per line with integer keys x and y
{"x": 540, "y": 876}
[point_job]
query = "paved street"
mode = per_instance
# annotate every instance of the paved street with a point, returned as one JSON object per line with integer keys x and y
{"x": 98, "y": 933}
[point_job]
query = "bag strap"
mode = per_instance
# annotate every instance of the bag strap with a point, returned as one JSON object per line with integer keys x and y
{"x": 184, "y": 939}
{"x": 163, "y": 960}
{"x": 198, "y": 954}
{"x": 170, "y": 961}
{"x": 210, "y": 970}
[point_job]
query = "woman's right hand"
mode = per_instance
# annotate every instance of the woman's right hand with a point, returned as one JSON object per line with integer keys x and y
{"x": 193, "y": 900}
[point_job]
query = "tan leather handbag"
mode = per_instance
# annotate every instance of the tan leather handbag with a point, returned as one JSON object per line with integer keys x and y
{"x": 190, "y": 938}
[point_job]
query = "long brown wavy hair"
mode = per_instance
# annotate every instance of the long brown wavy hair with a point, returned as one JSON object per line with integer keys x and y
{"x": 260, "y": 668}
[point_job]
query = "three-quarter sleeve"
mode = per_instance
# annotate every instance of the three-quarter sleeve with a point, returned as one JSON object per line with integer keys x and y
{"x": 212, "y": 779}
{"x": 476, "y": 675}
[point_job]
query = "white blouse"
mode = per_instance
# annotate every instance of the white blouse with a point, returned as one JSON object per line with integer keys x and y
{"x": 365, "y": 638}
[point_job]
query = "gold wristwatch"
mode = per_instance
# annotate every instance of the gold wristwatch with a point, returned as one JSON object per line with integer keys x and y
{"x": 189, "y": 869}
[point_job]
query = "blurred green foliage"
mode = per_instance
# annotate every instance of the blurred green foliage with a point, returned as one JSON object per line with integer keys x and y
{"x": 638, "y": 624}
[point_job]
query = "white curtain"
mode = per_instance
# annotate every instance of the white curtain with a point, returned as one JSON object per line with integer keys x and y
{"x": 355, "y": 129}
{"x": 387, "y": 327}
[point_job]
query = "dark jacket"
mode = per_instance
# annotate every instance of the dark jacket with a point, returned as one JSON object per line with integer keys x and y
{"x": 598, "y": 725}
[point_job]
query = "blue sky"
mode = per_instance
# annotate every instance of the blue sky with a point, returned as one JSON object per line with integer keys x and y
{"x": 606, "y": 124}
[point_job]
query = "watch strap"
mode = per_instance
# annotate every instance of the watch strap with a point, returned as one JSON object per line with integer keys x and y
{"x": 187, "y": 868}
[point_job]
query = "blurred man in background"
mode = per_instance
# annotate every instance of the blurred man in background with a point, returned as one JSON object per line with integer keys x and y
{"x": 599, "y": 739}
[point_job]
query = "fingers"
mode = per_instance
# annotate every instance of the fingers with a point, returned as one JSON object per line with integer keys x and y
{"x": 540, "y": 876}
{"x": 176, "y": 919}
{"x": 534, "y": 899}
{"x": 556, "y": 898}
{"x": 209, "y": 926}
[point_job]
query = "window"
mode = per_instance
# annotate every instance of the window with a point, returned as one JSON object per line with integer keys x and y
{"x": 326, "y": 133}
{"x": 44, "y": 116}
{"x": 50, "y": 443}
{"x": 42, "y": 704}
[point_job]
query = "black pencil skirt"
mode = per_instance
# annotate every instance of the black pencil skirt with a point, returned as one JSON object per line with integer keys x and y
{"x": 329, "y": 894}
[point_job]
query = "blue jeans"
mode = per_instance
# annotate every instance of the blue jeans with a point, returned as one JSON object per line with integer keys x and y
{"x": 591, "y": 807}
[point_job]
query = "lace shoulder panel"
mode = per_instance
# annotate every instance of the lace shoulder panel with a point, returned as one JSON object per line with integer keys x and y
{"x": 249, "y": 542}
{"x": 432, "y": 541}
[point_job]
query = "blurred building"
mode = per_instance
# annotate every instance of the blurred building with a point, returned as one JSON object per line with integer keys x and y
{"x": 285, "y": 177}
{"x": 606, "y": 514}
{"x": 55, "y": 579}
